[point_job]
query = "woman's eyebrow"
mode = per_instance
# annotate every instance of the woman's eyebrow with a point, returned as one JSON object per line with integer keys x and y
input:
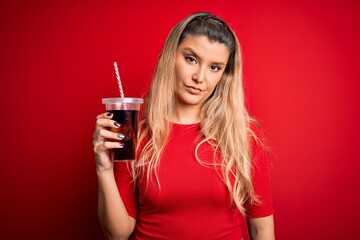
{"x": 191, "y": 51}
{"x": 197, "y": 56}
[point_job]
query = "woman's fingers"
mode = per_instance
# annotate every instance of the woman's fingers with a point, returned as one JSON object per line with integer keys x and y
{"x": 103, "y": 122}
{"x": 106, "y": 145}
{"x": 102, "y": 134}
{"x": 106, "y": 134}
{"x": 111, "y": 145}
{"x": 105, "y": 115}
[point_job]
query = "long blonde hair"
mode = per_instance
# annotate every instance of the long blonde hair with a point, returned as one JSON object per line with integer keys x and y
{"x": 224, "y": 118}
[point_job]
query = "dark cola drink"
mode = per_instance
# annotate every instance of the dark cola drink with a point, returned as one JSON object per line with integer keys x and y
{"x": 128, "y": 120}
{"x": 126, "y": 112}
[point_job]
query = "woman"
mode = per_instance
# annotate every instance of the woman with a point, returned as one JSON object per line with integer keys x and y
{"x": 200, "y": 172}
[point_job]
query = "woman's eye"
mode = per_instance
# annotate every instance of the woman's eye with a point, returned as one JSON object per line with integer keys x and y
{"x": 215, "y": 68}
{"x": 190, "y": 59}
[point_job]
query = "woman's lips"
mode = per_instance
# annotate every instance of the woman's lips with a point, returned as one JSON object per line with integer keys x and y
{"x": 193, "y": 90}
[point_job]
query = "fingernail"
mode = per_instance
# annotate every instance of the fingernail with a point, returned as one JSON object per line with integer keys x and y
{"x": 121, "y": 144}
{"x": 117, "y": 124}
{"x": 121, "y": 136}
{"x": 109, "y": 114}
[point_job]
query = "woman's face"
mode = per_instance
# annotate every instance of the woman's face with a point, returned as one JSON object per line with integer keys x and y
{"x": 199, "y": 65}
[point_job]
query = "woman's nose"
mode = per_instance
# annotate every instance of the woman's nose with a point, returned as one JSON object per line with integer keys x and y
{"x": 199, "y": 76}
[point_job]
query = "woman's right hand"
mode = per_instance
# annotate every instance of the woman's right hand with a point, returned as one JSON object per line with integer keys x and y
{"x": 104, "y": 141}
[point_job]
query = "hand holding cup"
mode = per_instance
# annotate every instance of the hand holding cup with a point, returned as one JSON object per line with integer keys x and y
{"x": 105, "y": 140}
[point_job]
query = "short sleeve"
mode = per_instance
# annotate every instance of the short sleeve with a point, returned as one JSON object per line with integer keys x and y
{"x": 261, "y": 181}
{"x": 126, "y": 186}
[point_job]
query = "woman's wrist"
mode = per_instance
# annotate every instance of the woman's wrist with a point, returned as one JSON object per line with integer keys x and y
{"x": 104, "y": 171}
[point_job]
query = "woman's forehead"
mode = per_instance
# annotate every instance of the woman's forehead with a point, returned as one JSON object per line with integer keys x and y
{"x": 203, "y": 47}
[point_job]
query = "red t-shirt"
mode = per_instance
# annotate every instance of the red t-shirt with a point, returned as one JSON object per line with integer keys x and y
{"x": 193, "y": 201}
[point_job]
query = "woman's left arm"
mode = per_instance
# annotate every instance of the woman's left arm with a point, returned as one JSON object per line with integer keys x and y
{"x": 261, "y": 228}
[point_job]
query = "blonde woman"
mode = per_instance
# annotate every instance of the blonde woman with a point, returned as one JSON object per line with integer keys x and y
{"x": 200, "y": 171}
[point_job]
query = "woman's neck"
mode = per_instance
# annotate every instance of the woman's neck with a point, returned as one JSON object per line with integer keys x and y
{"x": 185, "y": 115}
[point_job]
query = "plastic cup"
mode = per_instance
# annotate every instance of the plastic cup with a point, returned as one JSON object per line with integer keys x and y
{"x": 126, "y": 112}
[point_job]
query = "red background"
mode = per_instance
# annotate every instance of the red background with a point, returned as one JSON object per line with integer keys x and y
{"x": 301, "y": 78}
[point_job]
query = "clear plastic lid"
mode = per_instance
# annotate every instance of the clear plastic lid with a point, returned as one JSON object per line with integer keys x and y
{"x": 122, "y": 100}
